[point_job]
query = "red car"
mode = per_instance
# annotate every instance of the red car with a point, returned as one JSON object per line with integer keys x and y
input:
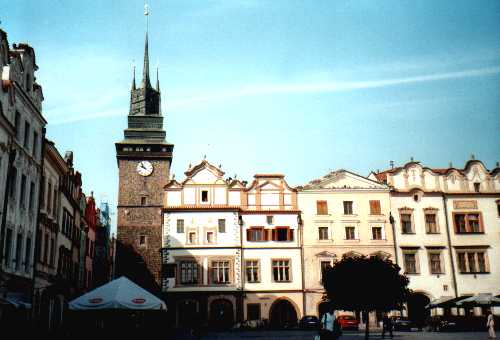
{"x": 348, "y": 322}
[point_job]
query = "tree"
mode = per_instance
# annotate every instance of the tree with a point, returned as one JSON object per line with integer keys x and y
{"x": 365, "y": 284}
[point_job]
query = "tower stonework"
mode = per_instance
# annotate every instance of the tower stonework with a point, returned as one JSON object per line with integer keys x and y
{"x": 144, "y": 159}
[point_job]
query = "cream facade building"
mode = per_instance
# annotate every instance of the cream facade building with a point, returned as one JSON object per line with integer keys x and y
{"x": 272, "y": 253}
{"x": 344, "y": 214}
{"x": 447, "y": 224}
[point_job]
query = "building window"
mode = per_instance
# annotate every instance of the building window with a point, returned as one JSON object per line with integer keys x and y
{"x": 222, "y": 225}
{"x": 220, "y": 272}
{"x": 27, "y": 255}
{"x": 468, "y": 223}
{"x": 347, "y": 207}
{"x": 375, "y": 208}
{"x": 17, "y": 124}
{"x": 324, "y": 265}
{"x": 53, "y": 252}
{"x": 31, "y": 198}
{"x": 45, "y": 248}
{"x": 26, "y": 134}
{"x": 477, "y": 187}
{"x": 22, "y": 200}
{"x": 192, "y": 237}
{"x": 321, "y": 208}
{"x": 13, "y": 183}
{"x": 498, "y": 208}
{"x": 256, "y": 234}
{"x": 252, "y": 271}
{"x": 210, "y": 237}
{"x": 143, "y": 200}
{"x": 281, "y": 270}
{"x": 253, "y": 311}
{"x": 410, "y": 261}
{"x": 350, "y": 233}
{"x": 35, "y": 144}
{"x": 406, "y": 225}
{"x": 189, "y": 272}
{"x": 472, "y": 261}
{"x": 430, "y": 224}
{"x": 270, "y": 219}
{"x": 282, "y": 234}
{"x": 204, "y": 196}
{"x": 49, "y": 199}
{"x": 142, "y": 240}
{"x": 180, "y": 226}
{"x": 8, "y": 247}
{"x": 376, "y": 233}
{"x": 323, "y": 233}
{"x": 19, "y": 248}
{"x": 435, "y": 263}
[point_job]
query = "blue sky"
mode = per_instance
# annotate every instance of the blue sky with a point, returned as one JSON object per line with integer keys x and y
{"x": 298, "y": 87}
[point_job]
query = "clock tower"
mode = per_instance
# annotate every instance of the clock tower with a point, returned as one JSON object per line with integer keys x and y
{"x": 144, "y": 157}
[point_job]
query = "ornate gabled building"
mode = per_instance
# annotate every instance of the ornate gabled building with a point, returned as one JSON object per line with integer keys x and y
{"x": 344, "y": 214}
{"x": 22, "y": 129}
{"x": 272, "y": 253}
{"x": 447, "y": 223}
{"x": 202, "y": 247}
{"x": 144, "y": 159}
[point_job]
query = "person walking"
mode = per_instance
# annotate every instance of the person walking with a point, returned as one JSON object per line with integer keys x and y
{"x": 490, "y": 323}
{"x": 386, "y": 325}
{"x": 330, "y": 328}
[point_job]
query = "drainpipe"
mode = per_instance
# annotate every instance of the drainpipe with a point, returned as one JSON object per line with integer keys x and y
{"x": 393, "y": 226}
{"x": 8, "y": 182}
{"x": 450, "y": 251}
{"x": 301, "y": 237}
{"x": 40, "y": 181}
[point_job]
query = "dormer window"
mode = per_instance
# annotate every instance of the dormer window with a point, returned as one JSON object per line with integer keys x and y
{"x": 204, "y": 196}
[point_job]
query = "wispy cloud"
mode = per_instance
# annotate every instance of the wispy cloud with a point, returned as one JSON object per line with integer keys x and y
{"x": 332, "y": 86}
{"x": 296, "y": 88}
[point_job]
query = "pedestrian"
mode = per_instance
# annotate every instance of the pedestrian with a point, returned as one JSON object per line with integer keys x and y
{"x": 386, "y": 325}
{"x": 490, "y": 323}
{"x": 330, "y": 327}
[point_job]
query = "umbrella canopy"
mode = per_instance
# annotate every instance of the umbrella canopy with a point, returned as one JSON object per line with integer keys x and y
{"x": 440, "y": 301}
{"x": 480, "y": 300}
{"x": 118, "y": 294}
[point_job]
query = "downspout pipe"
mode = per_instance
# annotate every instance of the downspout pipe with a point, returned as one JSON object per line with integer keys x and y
{"x": 301, "y": 235}
{"x": 450, "y": 250}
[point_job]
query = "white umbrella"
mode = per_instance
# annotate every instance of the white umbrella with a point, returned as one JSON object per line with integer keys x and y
{"x": 118, "y": 294}
{"x": 480, "y": 300}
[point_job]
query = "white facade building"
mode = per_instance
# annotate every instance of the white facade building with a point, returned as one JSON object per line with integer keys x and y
{"x": 447, "y": 224}
{"x": 20, "y": 101}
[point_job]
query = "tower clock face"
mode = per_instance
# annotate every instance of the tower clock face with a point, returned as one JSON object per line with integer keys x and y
{"x": 144, "y": 168}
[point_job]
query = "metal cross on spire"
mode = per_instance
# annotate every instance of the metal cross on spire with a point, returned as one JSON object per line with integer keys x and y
{"x": 146, "y": 14}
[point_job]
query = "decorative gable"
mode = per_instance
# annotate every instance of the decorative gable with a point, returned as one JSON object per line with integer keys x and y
{"x": 343, "y": 179}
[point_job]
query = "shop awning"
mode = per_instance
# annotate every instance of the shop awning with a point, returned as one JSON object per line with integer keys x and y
{"x": 446, "y": 302}
{"x": 483, "y": 299}
{"x": 16, "y": 301}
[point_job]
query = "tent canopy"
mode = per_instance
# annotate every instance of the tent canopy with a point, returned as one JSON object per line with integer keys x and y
{"x": 118, "y": 294}
{"x": 480, "y": 300}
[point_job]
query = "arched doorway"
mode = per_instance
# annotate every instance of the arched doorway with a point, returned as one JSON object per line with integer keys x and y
{"x": 417, "y": 312}
{"x": 221, "y": 314}
{"x": 186, "y": 312}
{"x": 282, "y": 314}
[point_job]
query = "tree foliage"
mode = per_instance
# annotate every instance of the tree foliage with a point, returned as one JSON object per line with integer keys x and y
{"x": 365, "y": 284}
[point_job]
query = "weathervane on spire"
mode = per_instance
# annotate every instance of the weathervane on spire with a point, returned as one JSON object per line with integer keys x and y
{"x": 146, "y": 13}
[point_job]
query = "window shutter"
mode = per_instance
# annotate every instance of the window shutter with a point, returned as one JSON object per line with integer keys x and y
{"x": 248, "y": 235}
{"x": 274, "y": 234}
{"x": 291, "y": 234}
{"x": 267, "y": 234}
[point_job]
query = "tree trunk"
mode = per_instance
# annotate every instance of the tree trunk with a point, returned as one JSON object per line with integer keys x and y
{"x": 367, "y": 328}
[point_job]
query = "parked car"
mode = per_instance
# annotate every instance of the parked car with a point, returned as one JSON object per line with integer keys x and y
{"x": 348, "y": 322}
{"x": 400, "y": 323}
{"x": 309, "y": 322}
{"x": 463, "y": 323}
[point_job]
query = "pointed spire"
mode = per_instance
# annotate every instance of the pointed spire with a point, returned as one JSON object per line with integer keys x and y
{"x": 157, "y": 80}
{"x": 145, "y": 70}
{"x": 133, "y": 79}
